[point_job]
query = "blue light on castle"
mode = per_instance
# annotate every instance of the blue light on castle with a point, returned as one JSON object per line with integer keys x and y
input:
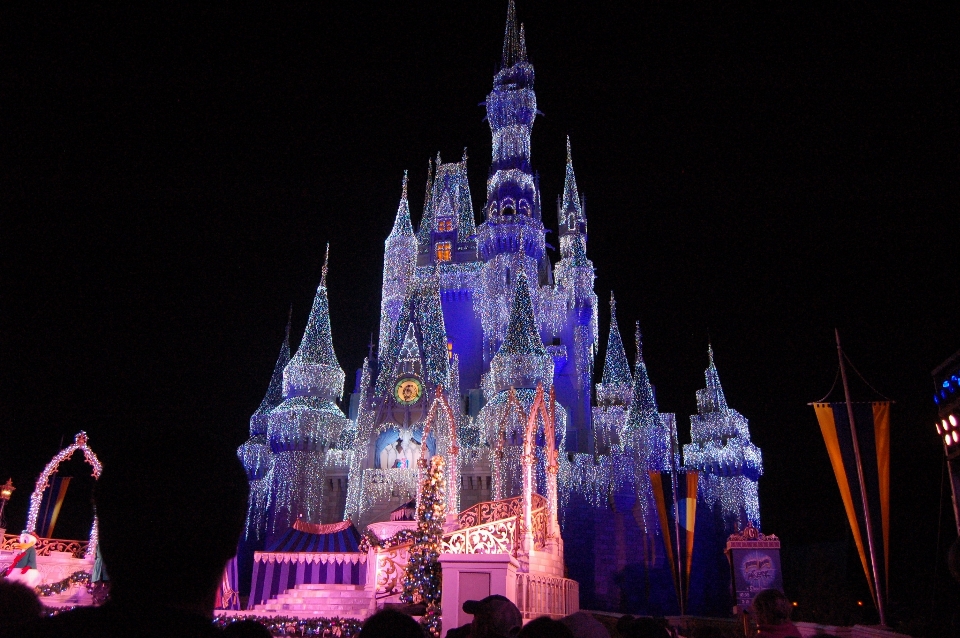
{"x": 482, "y": 312}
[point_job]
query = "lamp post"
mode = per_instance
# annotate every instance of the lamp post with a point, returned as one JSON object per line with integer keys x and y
{"x": 6, "y": 491}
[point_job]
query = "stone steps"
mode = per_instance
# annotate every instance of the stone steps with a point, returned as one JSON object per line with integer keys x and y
{"x": 345, "y": 601}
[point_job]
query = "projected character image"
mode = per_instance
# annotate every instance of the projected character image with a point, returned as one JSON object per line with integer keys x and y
{"x": 402, "y": 448}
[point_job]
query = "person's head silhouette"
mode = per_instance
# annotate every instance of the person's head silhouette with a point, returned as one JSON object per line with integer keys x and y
{"x": 171, "y": 511}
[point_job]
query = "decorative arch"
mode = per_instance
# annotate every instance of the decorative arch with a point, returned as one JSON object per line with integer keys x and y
{"x": 546, "y": 408}
{"x": 79, "y": 443}
{"x": 513, "y": 406}
{"x": 441, "y": 405}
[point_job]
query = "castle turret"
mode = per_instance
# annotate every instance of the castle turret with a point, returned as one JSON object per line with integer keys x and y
{"x": 447, "y": 233}
{"x": 614, "y": 392}
{"x": 729, "y": 463}
{"x": 616, "y": 385}
{"x": 399, "y": 262}
{"x": 522, "y": 360}
{"x": 308, "y": 422}
{"x": 574, "y": 272}
{"x": 571, "y": 220}
{"x": 574, "y": 276}
{"x": 520, "y": 365}
{"x": 649, "y": 434}
{"x": 255, "y": 453}
{"x": 426, "y": 219}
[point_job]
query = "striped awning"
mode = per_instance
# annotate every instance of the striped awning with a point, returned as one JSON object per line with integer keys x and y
{"x": 342, "y": 537}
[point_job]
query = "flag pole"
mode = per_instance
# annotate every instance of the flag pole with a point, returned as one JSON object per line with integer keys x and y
{"x": 863, "y": 487}
{"x": 674, "y": 476}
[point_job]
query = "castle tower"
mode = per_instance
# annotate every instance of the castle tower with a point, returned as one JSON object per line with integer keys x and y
{"x": 521, "y": 363}
{"x": 571, "y": 220}
{"x": 574, "y": 277}
{"x": 614, "y": 392}
{"x": 447, "y": 230}
{"x": 729, "y": 463}
{"x": 308, "y": 422}
{"x": 511, "y": 238}
{"x": 650, "y": 435}
{"x": 390, "y": 435}
{"x": 255, "y": 453}
{"x": 399, "y": 261}
{"x": 447, "y": 252}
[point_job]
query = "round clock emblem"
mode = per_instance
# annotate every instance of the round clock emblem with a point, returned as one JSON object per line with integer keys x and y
{"x": 408, "y": 391}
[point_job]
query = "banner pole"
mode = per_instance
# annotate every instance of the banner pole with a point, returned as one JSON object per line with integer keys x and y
{"x": 863, "y": 487}
{"x": 674, "y": 476}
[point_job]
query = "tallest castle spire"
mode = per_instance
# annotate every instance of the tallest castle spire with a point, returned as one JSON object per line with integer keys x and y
{"x": 514, "y": 42}
{"x": 512, "y": 105}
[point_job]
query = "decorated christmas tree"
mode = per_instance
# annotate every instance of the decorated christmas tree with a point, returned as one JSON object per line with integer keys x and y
{"x": 421, "y": 582}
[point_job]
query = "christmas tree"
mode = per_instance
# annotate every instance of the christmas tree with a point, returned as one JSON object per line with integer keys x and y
{"x": 421, "y": 582}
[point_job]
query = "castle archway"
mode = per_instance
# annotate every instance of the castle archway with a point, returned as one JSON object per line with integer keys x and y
{"x": 79, "y": 443}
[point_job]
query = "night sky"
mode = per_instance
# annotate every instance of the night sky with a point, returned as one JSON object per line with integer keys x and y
{"x": 753, "y": 177}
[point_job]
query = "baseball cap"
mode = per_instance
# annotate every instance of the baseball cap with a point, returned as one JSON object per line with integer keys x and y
{"x": 500, "y": 612}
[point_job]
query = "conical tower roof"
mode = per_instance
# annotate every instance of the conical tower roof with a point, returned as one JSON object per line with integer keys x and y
{"x": 402, "y": 227}
{"x": 571, "y": 195}
{"x": 644, "y": 404}
{"x": 427, "y": 219}
{"x": 522, "y": 359}
{"x": 522, "y": 335}
{"x": 421, "y": 306}
{"x": 711, "y": 398}
{"x": 274, "y": 395}
{"x": 314, "y": 369}
{"x": 514, "y": 40}
{"x": 616, "y": 368}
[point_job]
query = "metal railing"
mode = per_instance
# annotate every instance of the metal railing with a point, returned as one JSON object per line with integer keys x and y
{"x": 46, "y": 545}
{"x": 489, "y": 511}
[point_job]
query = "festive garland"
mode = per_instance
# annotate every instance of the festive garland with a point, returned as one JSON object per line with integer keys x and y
{"x": 369, "y": 540}
{"x": 76, "y": 578}
{"x": 287, "y": 626}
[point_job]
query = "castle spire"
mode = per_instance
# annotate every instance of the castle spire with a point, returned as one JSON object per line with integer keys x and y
{"x": 571, "y": 208}
{"x": 514, "y": 44}
{"x": 616, "y": 368}
{"x": 274, "y": 395}
{"x": 523, "y": 44}
{"x": 426, "y": 220}
{"x": 522, "y": 336}
{"x": 326, "y": 263}
{"x": 643, "y": 397}
{"x": 711, "y": 398}
{"x": 401, "y": 225}
{"x": 522, "y": 360}
{"x": 314, "y": 369}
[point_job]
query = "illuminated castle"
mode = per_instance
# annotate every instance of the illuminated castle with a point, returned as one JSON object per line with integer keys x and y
{"x": 481, "y": 316}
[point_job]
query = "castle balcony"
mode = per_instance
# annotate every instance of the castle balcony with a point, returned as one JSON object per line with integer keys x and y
{"x": 510, "y": 234}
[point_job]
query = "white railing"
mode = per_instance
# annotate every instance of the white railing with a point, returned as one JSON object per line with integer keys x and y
{"x": 547, "y": 596}
{"x": 496, "y": 537}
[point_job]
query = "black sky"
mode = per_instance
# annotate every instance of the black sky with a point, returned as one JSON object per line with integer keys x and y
{"x": 756, "y": 176}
